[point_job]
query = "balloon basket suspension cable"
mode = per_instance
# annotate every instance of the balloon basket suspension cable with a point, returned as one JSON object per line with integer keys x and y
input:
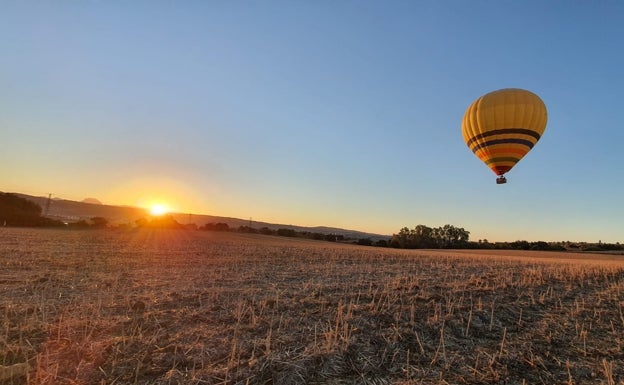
{"x": 501, "y": 180}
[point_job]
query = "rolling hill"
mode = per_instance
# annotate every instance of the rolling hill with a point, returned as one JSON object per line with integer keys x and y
{"x": 73, "y": 211}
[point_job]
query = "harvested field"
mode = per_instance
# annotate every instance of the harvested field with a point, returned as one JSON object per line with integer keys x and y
{"x": 187, "y": 307}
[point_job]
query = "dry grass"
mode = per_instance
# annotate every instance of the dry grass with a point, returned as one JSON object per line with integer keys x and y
{"x": 175, "y": 307}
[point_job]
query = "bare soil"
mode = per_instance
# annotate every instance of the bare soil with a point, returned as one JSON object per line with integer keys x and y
{"x": 188, "y": 307}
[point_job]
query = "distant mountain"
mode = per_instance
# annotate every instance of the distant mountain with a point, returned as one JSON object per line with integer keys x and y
{"x": 94, "y": 201}
{"x": 73, "y": 211}
{"x": 200, "y": 220}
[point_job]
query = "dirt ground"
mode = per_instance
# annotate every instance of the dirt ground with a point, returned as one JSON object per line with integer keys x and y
{"x": 191, "y": 307}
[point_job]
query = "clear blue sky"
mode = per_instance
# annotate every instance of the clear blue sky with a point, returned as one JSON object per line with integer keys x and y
{"x": 337, "y": 113}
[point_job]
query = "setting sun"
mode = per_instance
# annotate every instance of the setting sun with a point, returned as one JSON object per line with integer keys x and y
{"x": 158, "y": 209}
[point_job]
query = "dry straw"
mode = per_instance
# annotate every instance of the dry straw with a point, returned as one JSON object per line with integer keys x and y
{"x": 159, "y": 307}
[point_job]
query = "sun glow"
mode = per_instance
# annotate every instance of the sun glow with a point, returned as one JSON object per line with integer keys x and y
{"x": 158, "y": 209}
{"x": 159, "y": 196}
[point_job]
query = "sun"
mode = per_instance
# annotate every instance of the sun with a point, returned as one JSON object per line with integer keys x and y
{"x": 158, "y": 209}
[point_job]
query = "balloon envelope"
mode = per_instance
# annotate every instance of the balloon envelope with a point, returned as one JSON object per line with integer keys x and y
{"x": 501, "y": 127}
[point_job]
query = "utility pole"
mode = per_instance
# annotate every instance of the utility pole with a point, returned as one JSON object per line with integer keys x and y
{"x": 47, "y": 206}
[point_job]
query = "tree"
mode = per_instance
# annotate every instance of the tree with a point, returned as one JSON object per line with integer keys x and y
{"x": 402, "y": 239}
{"x": 449, "y": 236}
{"x": 266, "y": 231}
{"x": 222, "y": 227}
{"x": 334, "y": 238}
{"x": 160, "y": 222}
{"x": 520, "y": 245}
{"x": 381, "y": 243}
{"x": 216, "y": 227}
{"x": 365, "y": 242}
{"x": 99, "y": 222}
{"x": 247, "y": 229}
{"x": 420, "y": 237}
{"x": 423, "y": 236}
{"x": 317, "y": 236}
{"x": 17, "y": 211}
{"x": 286, "y": 232}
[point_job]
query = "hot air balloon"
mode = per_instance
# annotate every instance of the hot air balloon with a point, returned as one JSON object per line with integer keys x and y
{"x": 501, "y": 127}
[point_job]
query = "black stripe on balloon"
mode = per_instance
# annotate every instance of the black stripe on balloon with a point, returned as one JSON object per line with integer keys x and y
{"x": 527, "y": 143}
{"x": 504, "y": 131}
{"x": 502, "y": 159}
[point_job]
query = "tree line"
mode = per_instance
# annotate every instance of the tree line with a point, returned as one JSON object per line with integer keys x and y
{"x": 425, "y": 237}
{"x": 281, "y": 232}
{"x": 451, "y": 237}
{"x": 18, "y": 211}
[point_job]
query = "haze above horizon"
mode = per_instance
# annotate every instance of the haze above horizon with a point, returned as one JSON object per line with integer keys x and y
{"x": 343, "y": 114}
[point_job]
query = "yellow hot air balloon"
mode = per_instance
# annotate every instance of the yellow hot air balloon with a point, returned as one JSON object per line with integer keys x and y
{"x": 501, "y": 127}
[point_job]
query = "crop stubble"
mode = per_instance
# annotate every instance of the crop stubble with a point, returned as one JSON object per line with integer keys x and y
{"x": 168, "y": 307}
